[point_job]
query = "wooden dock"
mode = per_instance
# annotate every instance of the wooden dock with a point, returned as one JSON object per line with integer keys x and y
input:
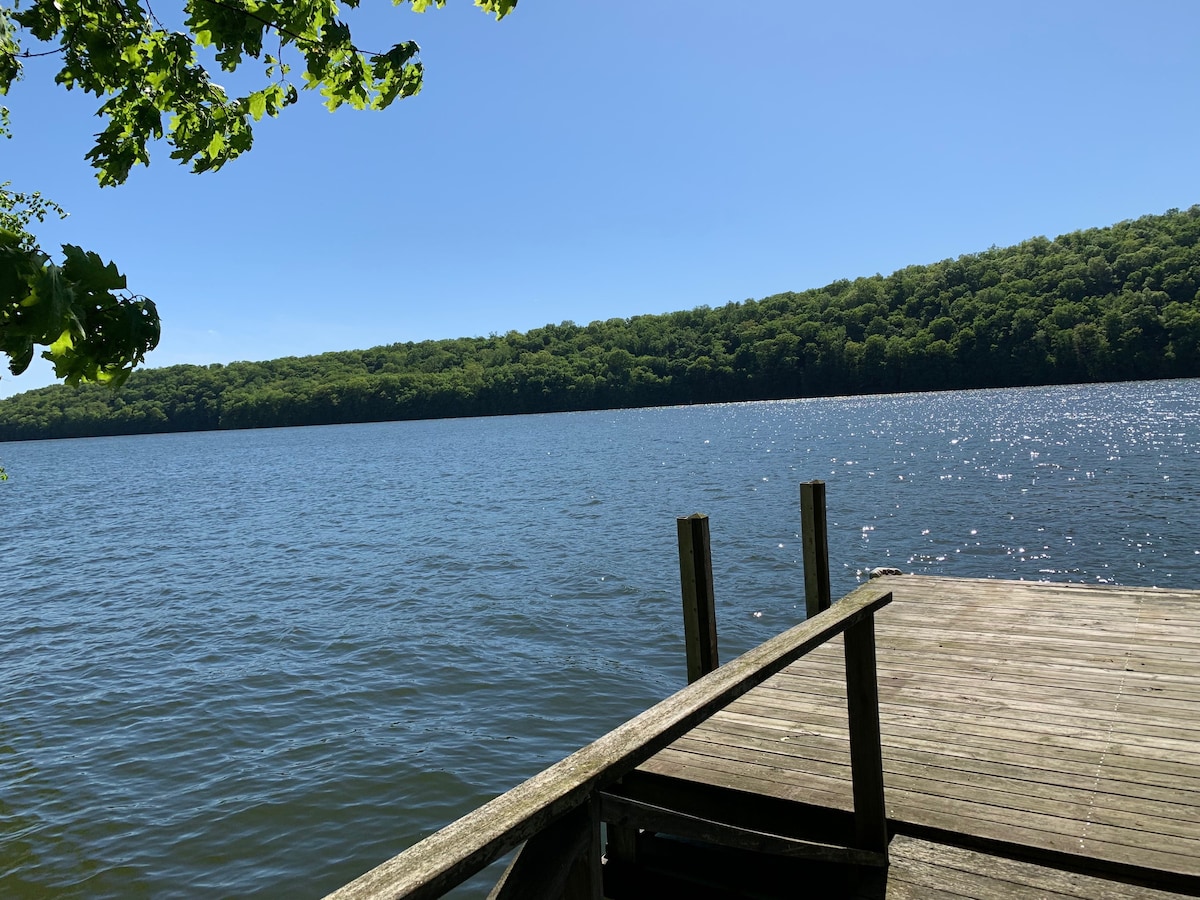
{"x": 1037, "y": 740}
{"x": 1054, "y": 722}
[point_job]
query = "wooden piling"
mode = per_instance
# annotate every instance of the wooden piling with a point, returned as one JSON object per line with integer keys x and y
{"x": 696, "y": 582}
{"x": 815, "y": 541}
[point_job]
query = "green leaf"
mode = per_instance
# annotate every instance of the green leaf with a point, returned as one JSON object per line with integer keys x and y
{"x": 151, "y": 87}
{"x": 500, "y": 8}
{"x": 64, "y": 343}
{"x": 258, "y": 104}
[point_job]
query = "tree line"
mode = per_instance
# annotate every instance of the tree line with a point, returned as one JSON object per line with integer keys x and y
{"x": 1102, "y": 304}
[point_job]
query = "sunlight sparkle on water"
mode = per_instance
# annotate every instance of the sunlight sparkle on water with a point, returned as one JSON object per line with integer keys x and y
{"x": 281, "y": 652}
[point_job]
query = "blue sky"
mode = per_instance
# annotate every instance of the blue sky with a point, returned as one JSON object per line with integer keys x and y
{"x": 584, "y": 160}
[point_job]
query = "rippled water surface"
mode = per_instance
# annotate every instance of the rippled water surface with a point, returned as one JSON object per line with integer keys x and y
{"x": 260, "y": 662}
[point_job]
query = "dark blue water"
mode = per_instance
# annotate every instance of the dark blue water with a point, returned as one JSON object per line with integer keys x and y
{"x": 260, "y": 662}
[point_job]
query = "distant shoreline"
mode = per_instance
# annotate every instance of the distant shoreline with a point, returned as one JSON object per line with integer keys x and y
{"x": 878, "y": 394}
{"x": 1095, "y": 306}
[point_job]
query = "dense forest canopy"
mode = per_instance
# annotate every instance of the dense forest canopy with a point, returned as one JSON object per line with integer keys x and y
{"x": 1103, "y": 304}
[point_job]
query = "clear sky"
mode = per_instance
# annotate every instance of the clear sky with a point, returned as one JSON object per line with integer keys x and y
{"x": 584, "y": 160}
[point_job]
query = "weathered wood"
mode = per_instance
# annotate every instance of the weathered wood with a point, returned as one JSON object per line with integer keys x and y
{"x": 448, "y": 857}
{"x": 995, "y": 787}
{"x": 757, "y": 812}
{"x": 815, "y": 542}
{"x": 622, "y": 843}
{"x": 919, "y": 870}
{"x": 1168, "y": 728}
{"x": 959, "y": 820}
{"x": 698, "y": 828}
{"x": 944, "y": 763}
{"x": 1094, "y": 689}
{"x": 546, "y": 865}
{"x": 585, "y": 881}
{"x": 696, "y": 583}
{"x": 866, "y": 754}
{"x": 1061, "y": 719}
{"x": 920, "y": 867}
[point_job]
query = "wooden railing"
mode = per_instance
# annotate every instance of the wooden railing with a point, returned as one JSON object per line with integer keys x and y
{"x": 566, "y": 857}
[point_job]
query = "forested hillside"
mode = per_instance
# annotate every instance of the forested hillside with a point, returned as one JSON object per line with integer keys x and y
{"x": 1096, "y": 305}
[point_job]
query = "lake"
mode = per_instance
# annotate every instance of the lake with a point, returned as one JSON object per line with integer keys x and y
{"x": 260, "y": 662}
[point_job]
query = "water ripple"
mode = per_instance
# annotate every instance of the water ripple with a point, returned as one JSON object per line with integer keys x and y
{"x": 257, "y": 663}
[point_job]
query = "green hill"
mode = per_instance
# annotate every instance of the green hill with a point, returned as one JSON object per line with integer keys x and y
{"x": 1103, "y": 304}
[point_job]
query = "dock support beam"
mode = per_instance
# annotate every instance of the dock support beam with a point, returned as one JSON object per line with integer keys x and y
{"x": 696, "y": 582}
{"x": 815, "y": 540}
{"x": 866, "y": 751}
{"x": 561, "y": 862}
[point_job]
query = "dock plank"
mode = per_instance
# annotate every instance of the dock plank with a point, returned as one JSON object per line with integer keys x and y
{"x": 923, "y": 869}
{"x": 1131, "y": 782}
{"x": 1064, "y": 719}
{"x": 920, "y": 767}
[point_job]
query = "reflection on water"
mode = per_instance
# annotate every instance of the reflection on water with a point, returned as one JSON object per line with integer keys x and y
{"x": 260, "y": 662}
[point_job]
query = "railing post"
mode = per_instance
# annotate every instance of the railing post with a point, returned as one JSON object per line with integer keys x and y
{"x": 815, "y": 540}
{"x": 695, "y": 578}
{"x": 562, "y": 861}
{"x": 866, "y": 751}
{"x": 586, "y": 879}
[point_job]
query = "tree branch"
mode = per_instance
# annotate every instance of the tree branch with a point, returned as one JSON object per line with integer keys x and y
{"x": 279, "y": 29}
